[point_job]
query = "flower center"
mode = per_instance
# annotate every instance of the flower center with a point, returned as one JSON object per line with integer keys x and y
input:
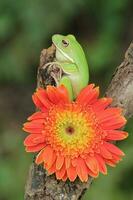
{"x": 70, "y": 130}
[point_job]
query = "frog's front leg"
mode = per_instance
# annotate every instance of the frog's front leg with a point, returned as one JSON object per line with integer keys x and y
{"x": 68, "y": 68}
{"x": 54, "y": 70}
{"x": 67, "y": 83}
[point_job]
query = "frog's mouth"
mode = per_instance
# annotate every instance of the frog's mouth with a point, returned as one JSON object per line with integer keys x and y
{"x": 61, "y": 56}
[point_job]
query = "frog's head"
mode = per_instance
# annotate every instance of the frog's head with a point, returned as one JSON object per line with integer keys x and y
{"x": 65, "y": 47}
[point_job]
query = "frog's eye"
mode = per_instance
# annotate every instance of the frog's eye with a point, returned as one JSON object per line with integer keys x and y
{"x": 65, "y": 43}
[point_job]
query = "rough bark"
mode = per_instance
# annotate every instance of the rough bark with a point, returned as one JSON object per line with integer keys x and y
{"x": 39, "y": 185}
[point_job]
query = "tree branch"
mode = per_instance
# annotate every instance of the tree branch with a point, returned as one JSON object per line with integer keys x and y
{"x": 39, "y": 185}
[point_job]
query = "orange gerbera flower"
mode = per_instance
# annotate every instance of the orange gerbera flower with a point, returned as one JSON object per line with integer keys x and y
{"x": 74, "y": 137}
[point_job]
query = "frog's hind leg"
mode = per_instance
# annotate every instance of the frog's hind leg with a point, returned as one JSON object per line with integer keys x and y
{"x": 67, "y": 83}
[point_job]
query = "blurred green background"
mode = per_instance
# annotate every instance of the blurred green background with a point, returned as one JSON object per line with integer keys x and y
{"x": 105, "y": 30}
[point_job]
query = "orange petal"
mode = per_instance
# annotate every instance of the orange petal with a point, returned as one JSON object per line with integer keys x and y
{"x": 114, "y": 123}
{"x": 47, "y": 154}
{"x": 110, "y": 163}
{"x": 101, "y": 104}
{"x": 33, "y": 131}
{"x": 59, "y": 162}
{"x": 101, "y": 163}
{"x": 52, "y": 169}
{"x": 52, "y": 160}
{"x": 43, "y": 97}
{"x": 53, "y": 94}
{"x": 111, "y": 118}
{"x": 116, "y": 135}
{"x": 35, "y": 148}
{"x": 67, "y": 162}
{"x": 64, "y": 95}
{"x": 58, "y": 94}
{"x": 38, "y": 103}
{"x": 74, "y": 162}
{"x": 34, "y": 126}
{"x": 39, "y": 158}
{"x": 92, "y": 98}
{"x": 88, "y": 94}
{"x": 105, "y": 153}
{"x": 92, "y": 164}
{"x": 64, "y": 178}
{"x": 33, "y": 140}
{"x": 37, "y": 115}
{"x": 34, "y": 123}
{"x": 60, "y": 173}
{"x": 116, "y": 158}
{"x": 109, "y": 114}
{"x": 113, "y": 149}
{"x": 81, "y": 170}
{"x": 92, "y": 174}
{"x": 50, "y": 157}
{"x": 71, "y": 173}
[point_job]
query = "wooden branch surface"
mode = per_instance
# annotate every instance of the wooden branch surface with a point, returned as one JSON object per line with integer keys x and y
{"x": 39, "y": 185}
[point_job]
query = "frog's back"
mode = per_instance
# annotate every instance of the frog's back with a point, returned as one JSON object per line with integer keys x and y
{"x": 82, "y": 77}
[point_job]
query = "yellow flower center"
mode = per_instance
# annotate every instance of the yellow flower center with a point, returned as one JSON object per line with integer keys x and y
{"x": 70, "y": 130}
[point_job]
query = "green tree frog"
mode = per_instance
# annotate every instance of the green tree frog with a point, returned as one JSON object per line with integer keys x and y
{"x": 71, "y": 59}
